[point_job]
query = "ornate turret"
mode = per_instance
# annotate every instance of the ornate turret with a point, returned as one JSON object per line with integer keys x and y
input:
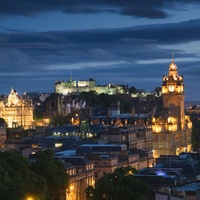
{"x": 13, "y": 98}
{"x": 173, "y": 69}
{"x": 173, "y": 83}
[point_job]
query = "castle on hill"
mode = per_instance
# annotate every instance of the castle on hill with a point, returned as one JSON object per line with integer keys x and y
{"x": 73, "y": 86}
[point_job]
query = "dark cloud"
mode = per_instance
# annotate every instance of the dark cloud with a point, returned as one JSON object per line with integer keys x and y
{"x": 185, "y": 31}
{"x": 119, "y": 55}
{"x": 139, "y": 8}
{"x": 102, "y": 43}
{"x": 130, "y": 44}
{"x": 143, "y": 11}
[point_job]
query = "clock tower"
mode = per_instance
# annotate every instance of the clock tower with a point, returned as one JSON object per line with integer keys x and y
{"x": 171, "y": 128}
{"x": 173, "y": 94}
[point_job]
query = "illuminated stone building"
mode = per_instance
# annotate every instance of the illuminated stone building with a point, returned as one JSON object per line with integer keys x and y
{"x": 17, "y": 111}
{"x": 72, "y": 86}
{"x": 138, "y": 136}
{"x": 172, "y": 128}
{"x": 81, "y": 175}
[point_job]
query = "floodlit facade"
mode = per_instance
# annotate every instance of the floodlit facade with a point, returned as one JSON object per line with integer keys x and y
{"x": 17, "y": 111}
{"x": 172, "y": 128}
{"x": 72, "y": 86}
{"x": 81, "y": 175}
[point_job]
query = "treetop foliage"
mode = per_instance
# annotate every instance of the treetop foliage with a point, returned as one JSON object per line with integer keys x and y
{"x": 45, "y": 179}
{"x": 119, "y": 185}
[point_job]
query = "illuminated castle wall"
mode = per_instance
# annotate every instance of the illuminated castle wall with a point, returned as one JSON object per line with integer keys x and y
{"x": 172, "y": 129}
{"x": 17, "y": 110}
{"x": 72, "y": 86}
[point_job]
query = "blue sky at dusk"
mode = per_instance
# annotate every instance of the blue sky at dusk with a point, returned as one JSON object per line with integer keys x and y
{"x": 122, "y": 42}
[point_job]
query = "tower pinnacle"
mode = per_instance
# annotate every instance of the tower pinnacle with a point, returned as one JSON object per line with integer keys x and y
{"x": 70, "y": 76}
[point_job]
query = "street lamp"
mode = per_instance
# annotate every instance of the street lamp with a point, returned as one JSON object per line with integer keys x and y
{"x": 29, "y": 198}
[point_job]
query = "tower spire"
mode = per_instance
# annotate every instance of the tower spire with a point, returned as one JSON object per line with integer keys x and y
{"x": 71, "y": 72}
{"x": 172, "y": 56}
{"x": 70, "y": 75}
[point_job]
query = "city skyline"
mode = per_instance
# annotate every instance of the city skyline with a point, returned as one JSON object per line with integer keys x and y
{"x": 120, "y": 42}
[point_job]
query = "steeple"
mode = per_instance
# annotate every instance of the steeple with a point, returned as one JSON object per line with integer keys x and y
{"x": 70, "y": 76}
{"x": 173, "y": 69}
{"x": 12, "y": 90}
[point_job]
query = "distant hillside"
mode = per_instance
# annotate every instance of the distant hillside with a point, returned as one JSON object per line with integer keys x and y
{"x": 193, "y": 102}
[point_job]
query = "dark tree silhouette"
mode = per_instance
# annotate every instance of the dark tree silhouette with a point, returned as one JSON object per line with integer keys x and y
{"x": 119, "y": 185}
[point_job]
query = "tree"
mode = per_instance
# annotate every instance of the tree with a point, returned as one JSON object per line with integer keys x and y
{"x": 195, "y": 132}
{"x": 90, "y": 97}
{"x": 54, "y": 173}
{"x": 84, "y": 126}
{"x": 125, "y": 106}
{"x": 60, "y": 120}
{"x": 119, "y": 185}
{"x": 17, "y": 180}
{"x": 2, "y": 121}
{"x": 195, "y": 139}
{"x": 132, "y": 90}
{"x": 38, "y": 115}
{"x": 17, "y": 133}
{"x": 105, "y": 100}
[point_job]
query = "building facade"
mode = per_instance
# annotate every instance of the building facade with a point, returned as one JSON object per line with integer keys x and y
{"x": 138, "y": 136}
{"x": 172, "y": 128}
{"x": 81, "y": 175}
{"x": 17, "y": 111}
{"x": 108, "y": 157}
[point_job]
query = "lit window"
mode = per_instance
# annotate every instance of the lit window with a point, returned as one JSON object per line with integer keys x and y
{"x": 58, "y": 144}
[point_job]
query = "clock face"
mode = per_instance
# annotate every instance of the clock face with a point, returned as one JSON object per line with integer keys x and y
{"x": 171, "y": 88}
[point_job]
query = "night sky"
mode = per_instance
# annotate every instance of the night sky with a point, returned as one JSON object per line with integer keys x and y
{"x": 112, "y": 41}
